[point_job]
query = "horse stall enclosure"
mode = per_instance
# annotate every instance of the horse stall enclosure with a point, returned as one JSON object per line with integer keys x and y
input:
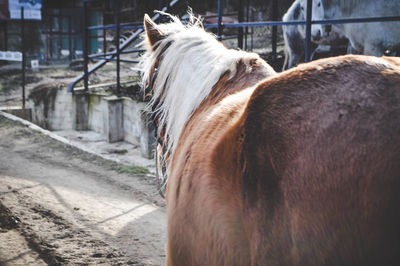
{"x": 184, "y": 132}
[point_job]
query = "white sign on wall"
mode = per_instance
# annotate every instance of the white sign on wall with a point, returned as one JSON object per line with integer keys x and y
{"x": 11, "y": 56}
{"x": 35, "y": 65}
{"x": 32, "y": 9}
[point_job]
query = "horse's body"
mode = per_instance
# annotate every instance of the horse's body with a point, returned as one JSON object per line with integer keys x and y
{"x": 375, "y": 38}
{"x": 301, "y": 168}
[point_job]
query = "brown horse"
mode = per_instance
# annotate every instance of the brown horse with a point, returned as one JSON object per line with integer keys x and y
{"x": 297, "y": 168}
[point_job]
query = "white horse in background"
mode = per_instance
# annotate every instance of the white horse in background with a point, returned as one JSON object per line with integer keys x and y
{"x": 317, "y": 30}
{"x": 374, "y": 38}
{"x": 295, "y": 35}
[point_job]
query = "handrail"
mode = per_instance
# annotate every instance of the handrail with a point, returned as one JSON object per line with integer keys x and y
{"x": 110, "y": 57}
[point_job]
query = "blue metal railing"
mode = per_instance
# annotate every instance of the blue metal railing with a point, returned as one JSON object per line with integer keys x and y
{"x": 308, "y": 30}
{"x": 120, "y": 48}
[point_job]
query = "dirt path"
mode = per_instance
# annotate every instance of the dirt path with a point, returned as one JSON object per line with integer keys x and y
{"x": 59, "y": 206}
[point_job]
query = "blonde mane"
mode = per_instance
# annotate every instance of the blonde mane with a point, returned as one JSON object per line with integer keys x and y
{"x": 190, "y": 62}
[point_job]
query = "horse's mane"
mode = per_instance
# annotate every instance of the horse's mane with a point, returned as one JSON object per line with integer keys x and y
{"x": 190, "y": 62}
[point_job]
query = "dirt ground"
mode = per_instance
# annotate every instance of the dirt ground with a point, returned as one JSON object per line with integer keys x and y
{"x": 62, "y": 206}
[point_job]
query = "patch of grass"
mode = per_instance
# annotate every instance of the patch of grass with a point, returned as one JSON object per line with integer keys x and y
{"x": 20, "y": 133}
{"x": 134, "y": 78}
{"x": 23, "y": 133}
{"x": 54, "y": 145}
{"x": 79, "y": 84}
{"x": 131, "y": 170}
{"x": 4, "y": 122}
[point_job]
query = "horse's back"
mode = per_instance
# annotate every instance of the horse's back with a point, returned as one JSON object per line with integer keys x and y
{"x": 302, "y": 170}
{"x": 322, "y": 151}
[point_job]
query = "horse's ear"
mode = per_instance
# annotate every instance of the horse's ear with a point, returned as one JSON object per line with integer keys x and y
{"x": 153, "y": 33}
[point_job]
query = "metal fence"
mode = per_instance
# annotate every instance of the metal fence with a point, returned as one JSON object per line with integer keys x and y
{"x": 120, "y": 48}
{"x": 308, "y": 22}
{"x": 245, "y": 30}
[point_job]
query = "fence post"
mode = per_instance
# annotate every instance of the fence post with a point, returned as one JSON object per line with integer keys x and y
{"x": 308, "y": 31}
{"x": 160, "y": 6}
{"x": 168, "y": 5}
{"x": 59, "y": 37}
{"x": 240, "y": 19}
{"x": 5, "y": 35}
{"x": 117, "y": 23}
{"x": 51, "y": 36}
{"x": 251, "y": 29}
{"x": 23, "y": 59}
{"x": 85, "y": 47}
{"x": 70, "y": 37}
{"x": 104, "y": 37}
{"x": 219, "y": 29}
{"x": 246, "y": 31}
{"x": 274, "y": 29}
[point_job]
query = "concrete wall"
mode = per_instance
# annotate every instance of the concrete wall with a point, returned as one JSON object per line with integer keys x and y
{"x": 63, "y": 115}
{"x": 138, "y": 129}
{"x": 54, "y": 114}
{"x": 97, "y": 113}
{"x": 115, "y": 118}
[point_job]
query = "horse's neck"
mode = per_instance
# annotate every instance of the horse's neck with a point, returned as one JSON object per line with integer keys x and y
{"x": 227, "y": 100}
